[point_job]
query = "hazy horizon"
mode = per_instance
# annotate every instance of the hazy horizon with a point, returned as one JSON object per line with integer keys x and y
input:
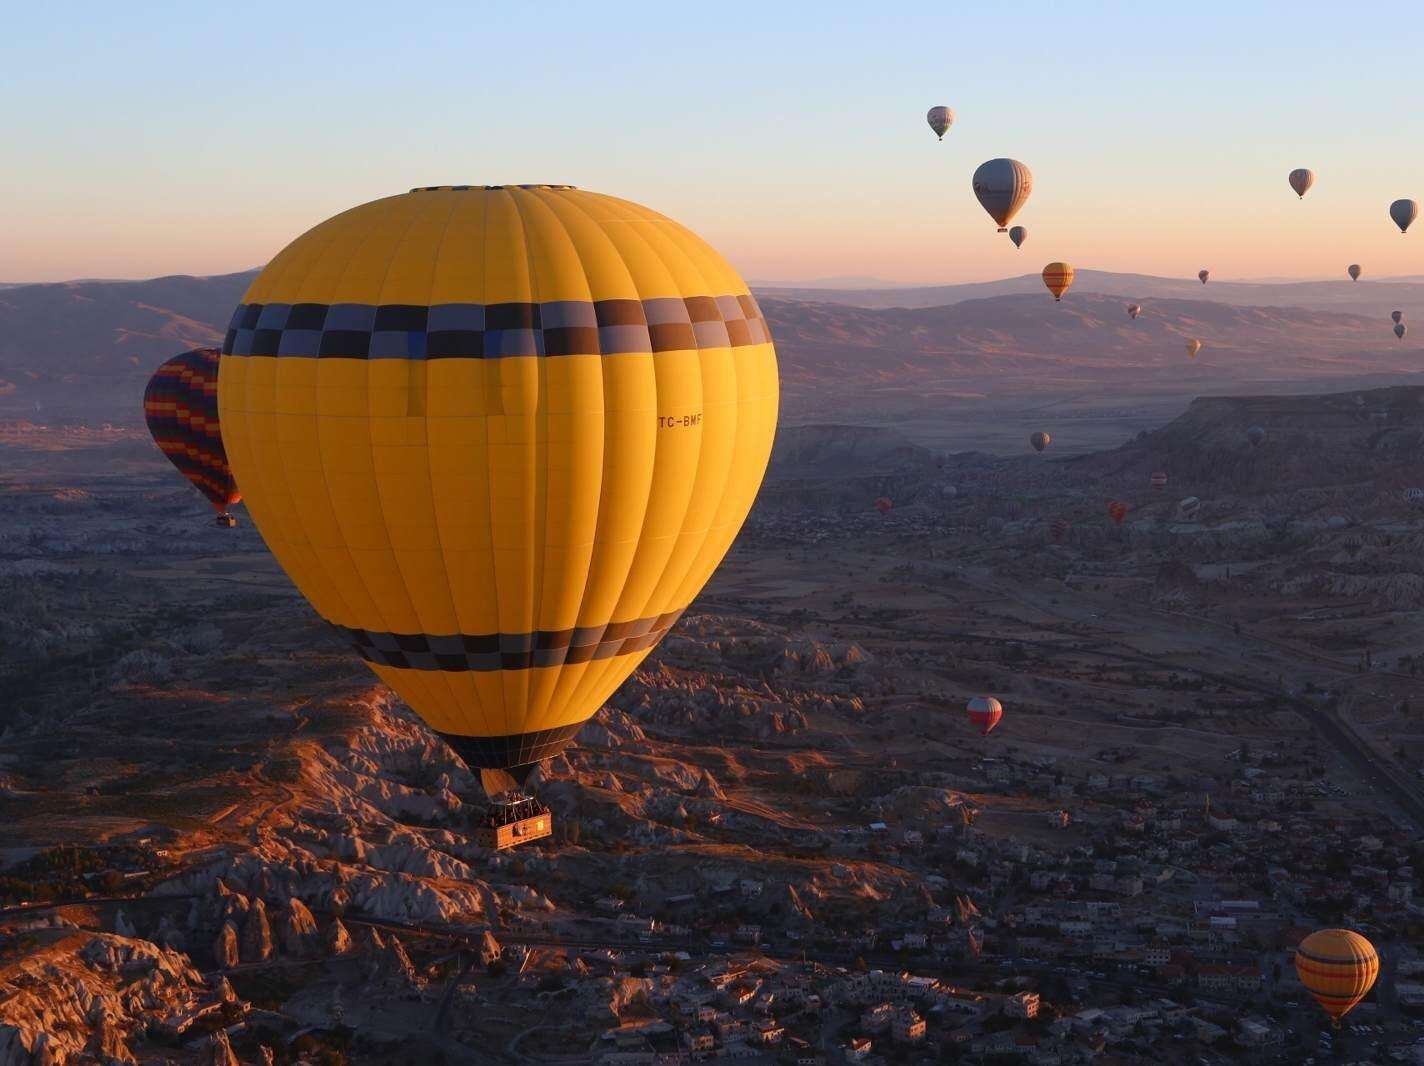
{"x": 829, "y": 283}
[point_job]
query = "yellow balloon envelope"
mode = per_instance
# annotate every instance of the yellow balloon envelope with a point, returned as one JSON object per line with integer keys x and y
{"x": 500, "y": 437}
{"x": 1338, "y": 967}
{"x": 1058, "y": 277}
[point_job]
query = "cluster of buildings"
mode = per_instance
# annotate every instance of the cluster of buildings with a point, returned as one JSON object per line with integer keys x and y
{"x": 1145, "y": 911}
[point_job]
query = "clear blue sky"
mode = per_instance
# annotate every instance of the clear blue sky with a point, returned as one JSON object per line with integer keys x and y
{"x": 163, "y": 138}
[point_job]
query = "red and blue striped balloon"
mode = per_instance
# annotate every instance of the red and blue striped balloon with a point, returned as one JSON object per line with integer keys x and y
{"x": 180, "y": 406}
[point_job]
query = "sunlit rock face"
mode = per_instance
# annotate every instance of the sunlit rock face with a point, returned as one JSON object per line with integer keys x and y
{"x": 93, "y": 994}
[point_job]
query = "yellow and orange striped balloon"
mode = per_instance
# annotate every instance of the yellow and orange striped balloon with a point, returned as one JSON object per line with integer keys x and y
{"x": 1058, "y": 278}
{"x": 1338, "y": 967}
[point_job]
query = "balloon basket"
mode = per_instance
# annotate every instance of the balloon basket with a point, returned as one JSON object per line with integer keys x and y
{"x": 514, "y": 818}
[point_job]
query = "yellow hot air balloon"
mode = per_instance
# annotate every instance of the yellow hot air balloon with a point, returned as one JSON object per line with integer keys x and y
{"x": 499, "y": 436}
{"x": 1058, "y": 278}
{"x": 1338, "y": 967}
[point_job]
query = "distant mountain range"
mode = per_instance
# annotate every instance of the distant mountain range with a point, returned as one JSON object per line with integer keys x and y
{"x": 975, "y": 343}
{"x": 101, "y": 326}
{"x": 1365, "y": 297}
{"x": 843, "y": 283}
{"x": 87, "y": 347}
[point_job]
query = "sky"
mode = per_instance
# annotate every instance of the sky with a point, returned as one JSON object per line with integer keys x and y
{"x": 146, "y": 139}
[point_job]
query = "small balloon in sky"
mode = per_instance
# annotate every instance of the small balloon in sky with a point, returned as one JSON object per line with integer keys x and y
{"x": 940, "y": 119}
{"x": 1058, "y": 279}
{"x": 1301, "y": 180}
{"x": 1354, "y": 271}
{"x": 1002, "y": 186}
{"x": 1403, "y": 212}
{"x": 1203, "y": 275}
{"x": 1018, "y": 235}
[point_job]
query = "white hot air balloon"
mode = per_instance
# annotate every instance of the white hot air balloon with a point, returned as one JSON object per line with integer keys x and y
{"x": 1002, "y": 186}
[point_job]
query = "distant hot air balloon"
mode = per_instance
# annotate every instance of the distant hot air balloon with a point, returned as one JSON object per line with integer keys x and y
{"x": 1058, "y": 278}
{"x": 1403, "y": 212}
{"x": 1193, "y": 346}
{"x": 1203, "y": 275}
{"x": 1117, "y": 511}
{"x": 508, "y": 434}
{"x": 180, "y": 406}
{"x": 1002, "y": 186}
{"x": 1058, "y": 530}
{"x": 1039, "y": 440}
{"x": 1397, "y": 316}
{"x": 1133, "y": 310}
{"x": 1256, "y": 435}
{"x": 940, "y": 119}
{"x": 1159, "y": 480}
{"x": 1018, "y": 235}
{"x": 985, "y": 712}
{"x": 1400, "y": 329}
{"x": 1338, "y": 968}
{"x": 1354, "y": 271}
{"x": 883, "y": 505}
{"x": 1301, "y": 180}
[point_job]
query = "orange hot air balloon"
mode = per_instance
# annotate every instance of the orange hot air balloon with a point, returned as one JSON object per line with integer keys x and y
{"x": 1338, "y": 967}
{"x": 1058, "y": 278}
{"x": 985, "y": 712}
{"x": 1117, "y": 511}
{"x": 883, "y": 505}
{"x": 1039, "y": 440}
{"x": 1159, "y": 481}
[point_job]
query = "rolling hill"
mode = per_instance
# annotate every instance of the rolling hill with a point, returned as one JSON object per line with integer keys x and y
{"x": 1369, "y": 297}
{"x": 84, "y": 349}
